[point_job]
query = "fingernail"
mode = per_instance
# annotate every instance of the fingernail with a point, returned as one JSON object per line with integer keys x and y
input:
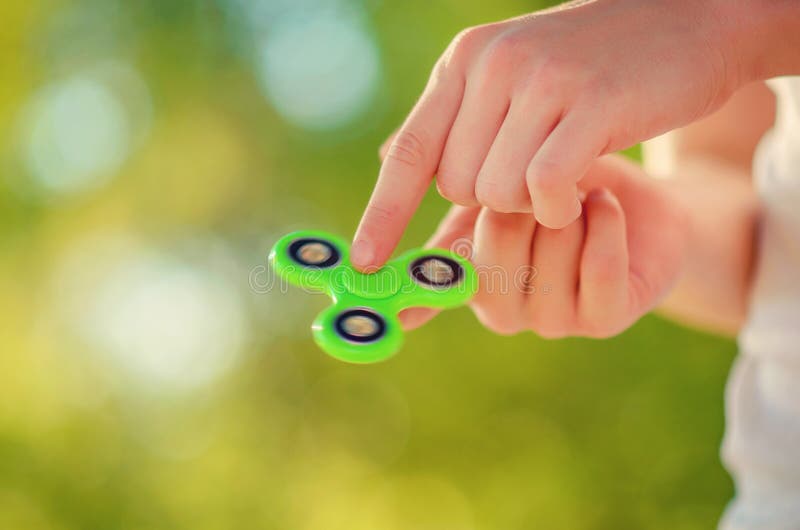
{"x": 362, "y": 253}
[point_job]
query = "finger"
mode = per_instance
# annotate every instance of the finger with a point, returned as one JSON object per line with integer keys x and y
{"x": 479, "y": 118}
{"x": 500, "y": 184}
{"x": 603, "y": 291}
{"x": 552, "y": 301}
{"x": 556, "y": 168}
{"x": 655, "y": 229}
{"x": 502, "y": 248}
{"x": 454, "y": 233}
{"x": 408, "y": 168}
{"x": 415, "y": 317}
{"x": 458, "y": 226}
{"x": 605, "y": 172}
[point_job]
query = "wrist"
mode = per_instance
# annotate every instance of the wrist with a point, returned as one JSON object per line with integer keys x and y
{"x": 761, "y": 38}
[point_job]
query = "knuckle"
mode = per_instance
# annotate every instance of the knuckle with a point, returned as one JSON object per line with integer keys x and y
{"x": 472, "y": 37}
{"x": 500, "y": 56}
{"x": 602, "y": 330}
{"x": 498, "y": 320}
{"x": 501, "y": 326}
{"x": 504, "y": 52}
{"x": 545, "y": 177}
{"x": 486, "y": 194}
{"x": 454, "y": 182}
{"x": 408, "y": 149}
{"x": 551, "y": 332}
{"x": 554, "y": 79}
{"x": 466, "y": 37}
{"x": 454, "y": 187}
{"x": 464, "y": 46}
{"x": 381, "y": 214}
{"x": 493, "y": 196}
{"x": 445, "y": 188}
{"x": 549, "y": 326}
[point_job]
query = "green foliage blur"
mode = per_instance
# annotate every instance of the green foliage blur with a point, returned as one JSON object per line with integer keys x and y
{"x": 148, "y": 380}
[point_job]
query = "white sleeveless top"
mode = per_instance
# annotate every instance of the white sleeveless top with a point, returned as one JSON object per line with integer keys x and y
{"x": 762, "y": 440}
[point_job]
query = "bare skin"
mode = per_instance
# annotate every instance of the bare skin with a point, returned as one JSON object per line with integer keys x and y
{"x": 516, "y": 112}
{"x": 640, "y": 242}
{"x": 711, "y": 178}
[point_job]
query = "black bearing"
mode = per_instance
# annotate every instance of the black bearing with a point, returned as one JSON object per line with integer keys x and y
{"x": 311, "y": 252}
{"x": 436, "y": 271}
{"x": 360, "y": 325}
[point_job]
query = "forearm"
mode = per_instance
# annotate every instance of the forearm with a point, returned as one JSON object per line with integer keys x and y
{"x": 708, "y": 166}
{"x": 722, "y": 211}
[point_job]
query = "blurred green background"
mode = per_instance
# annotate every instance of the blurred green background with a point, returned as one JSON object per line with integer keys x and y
{"x": 151, "y": 152}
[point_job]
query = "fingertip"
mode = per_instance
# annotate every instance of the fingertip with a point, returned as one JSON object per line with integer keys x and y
{"x": 557, "y": 218}
{"x": 599, "y": 197}
{"x": 604, "y": 303}
{"x": 362, "y": 254}
{"x": 414, "y": 317}
{"x": 554, "y": 198}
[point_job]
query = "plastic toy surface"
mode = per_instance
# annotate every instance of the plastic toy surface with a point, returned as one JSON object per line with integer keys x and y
{"x": 362, "y": 325}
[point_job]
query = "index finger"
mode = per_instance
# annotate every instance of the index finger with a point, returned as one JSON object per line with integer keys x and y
{"x": 408, "y": 168}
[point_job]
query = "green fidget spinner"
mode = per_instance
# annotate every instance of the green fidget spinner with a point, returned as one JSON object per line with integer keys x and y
{"x": 362, "y": 325}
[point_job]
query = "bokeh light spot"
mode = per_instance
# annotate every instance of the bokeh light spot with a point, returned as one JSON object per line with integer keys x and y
{"x": 319, "y": 71}
{"x": 79, "y": 136}
{"x": 163, "y": 322}
{"x": 78, "y": 131}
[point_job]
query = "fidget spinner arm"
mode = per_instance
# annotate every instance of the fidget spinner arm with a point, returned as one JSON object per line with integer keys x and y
{"x": 362, "y": 325}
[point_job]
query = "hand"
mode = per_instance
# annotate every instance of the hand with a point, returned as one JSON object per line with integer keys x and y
{"x": 593, "y": 278}
{"x": 515, "y": 112}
